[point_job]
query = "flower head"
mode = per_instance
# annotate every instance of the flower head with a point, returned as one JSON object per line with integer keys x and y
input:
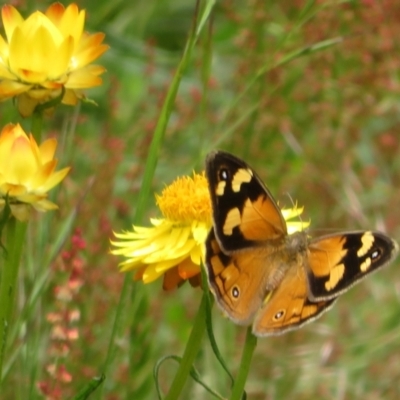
{"x": 174, "y": 246}
{"x": 27, "y": 172}
{"x": 46, "y": 54}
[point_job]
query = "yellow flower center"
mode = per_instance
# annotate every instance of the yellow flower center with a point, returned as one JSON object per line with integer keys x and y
{"x": 186, "y": 200}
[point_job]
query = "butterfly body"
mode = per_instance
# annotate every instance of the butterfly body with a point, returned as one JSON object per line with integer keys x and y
{"x": 262, "y": 275}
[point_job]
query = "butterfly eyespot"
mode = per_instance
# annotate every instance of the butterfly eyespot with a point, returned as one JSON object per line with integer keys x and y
{"x": 223, "y": 175}
{"x": 375, "y": 254}
{"x": 279, "y": 315}
{"x": 235, "y": 292}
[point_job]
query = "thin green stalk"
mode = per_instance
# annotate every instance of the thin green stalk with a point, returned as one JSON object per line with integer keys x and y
{"x": 240, "y": 381}
{"x": 36, "y": 126}
{"x": 191, "y": 351}
{"x": 151, "y": 163}
{"x": 37, "y": 115}
{"x": 162, "y": 122}
{"x": 14, "y": 238}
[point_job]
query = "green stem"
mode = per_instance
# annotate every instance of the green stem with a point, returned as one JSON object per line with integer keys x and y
{"x": 36, "y": 126}
{"x": 15, "y": 235}
{"x": 240, "y": 381}
{"x": 191, "y": 351}
{"x": 117, "y": 322}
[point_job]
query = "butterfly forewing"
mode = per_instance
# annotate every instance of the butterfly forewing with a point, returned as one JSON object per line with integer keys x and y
{"x": 338, "y": 261}
{"x": 244, "y": 212}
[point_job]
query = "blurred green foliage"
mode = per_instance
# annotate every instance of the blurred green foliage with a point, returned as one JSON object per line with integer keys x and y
{"x": 322, "y": 129}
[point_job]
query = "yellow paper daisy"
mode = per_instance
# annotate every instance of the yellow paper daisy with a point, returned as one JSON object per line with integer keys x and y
{"x": 47, "y": 54}
{"x": 27, "y": 172}
{"x": 173, "y": 247}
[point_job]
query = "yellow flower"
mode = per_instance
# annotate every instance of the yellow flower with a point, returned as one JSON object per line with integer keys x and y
{"x": 27, "y": 172}
{"x": 46, "y": 54}
{"x": 174, "y": 246}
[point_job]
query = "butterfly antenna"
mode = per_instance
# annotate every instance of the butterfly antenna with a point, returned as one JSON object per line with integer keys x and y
{"x": 291, "y": 199}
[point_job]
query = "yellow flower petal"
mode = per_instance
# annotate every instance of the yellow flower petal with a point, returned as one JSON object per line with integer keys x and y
{"x": 61, "y": 62}
{"x": 196, "y": 255}
{"x": 47, "y": 150}
{"x": 21, "y": 161}
{"x": 12, "y": 189}
{"x": 90, "y": 48}
{"x": 34, "y": 26}
{"x": 44, "y": 205}
{"x": 4, "y": 71}
{"x": 26, "y": 104}
{"x": 154, "y": 271}
{"x": 71, "y": 97}
{"x": 12, "y": 88}
{"x": 29, "y": 198}
{"x": 200, "y": 231}
{"x": 11, "y": 19}
{"x": 71, "y": 22}
{"x": 150, "y": 274}
{"x": 42, "y": 175}
{"x": 21, "y": 212}
{"x": 54, "y": 179}
{"x": 84, "y": 78}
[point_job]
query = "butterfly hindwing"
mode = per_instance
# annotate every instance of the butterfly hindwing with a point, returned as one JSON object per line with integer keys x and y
{"x": 337, "y": 262}
{"x": 245, "y": 213}
{"x": 236, "y": 280}
{"x": 288, "y": 307}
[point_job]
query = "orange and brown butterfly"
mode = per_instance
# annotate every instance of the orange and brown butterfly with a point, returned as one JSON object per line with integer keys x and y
{"x": 261, "y": 275}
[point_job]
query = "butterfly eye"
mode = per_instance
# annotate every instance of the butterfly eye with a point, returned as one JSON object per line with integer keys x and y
{"x": 279, "y": 315}
{"x": 235, "y": 292}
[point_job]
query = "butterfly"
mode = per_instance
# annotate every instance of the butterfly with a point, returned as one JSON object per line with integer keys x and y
{"x": 260, "y": 274}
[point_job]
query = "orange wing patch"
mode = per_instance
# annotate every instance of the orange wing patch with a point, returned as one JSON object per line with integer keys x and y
{"x": 325, "y": 255}
{"x": 216, "y": 265}
{"x": 261, "y": 220}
